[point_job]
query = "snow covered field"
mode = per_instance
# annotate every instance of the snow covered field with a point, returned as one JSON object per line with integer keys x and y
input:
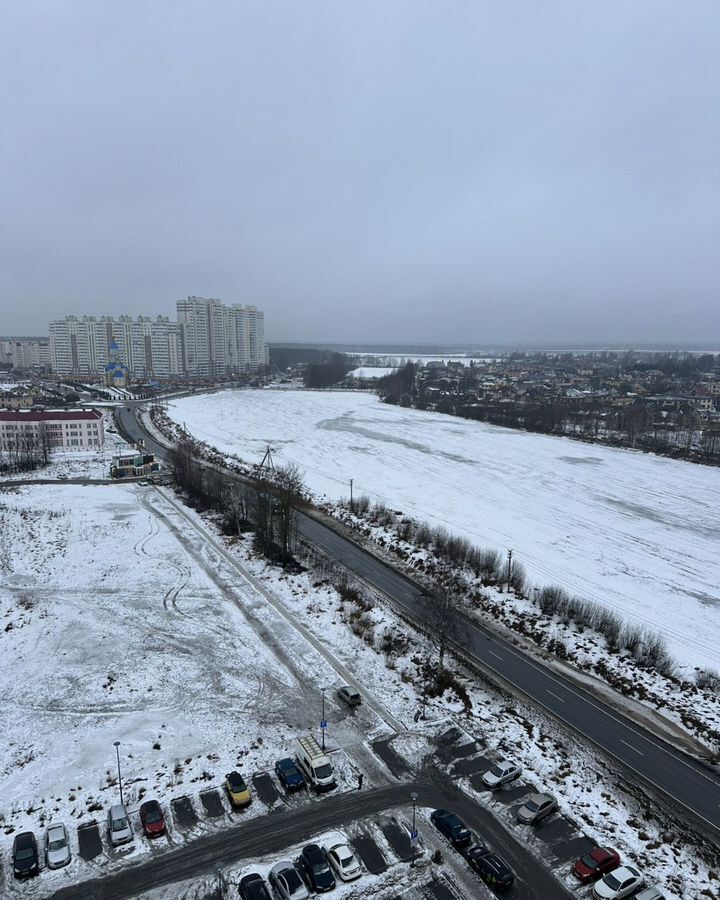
{"x": 123, "y": 620}
{"x": 635, "y": 532}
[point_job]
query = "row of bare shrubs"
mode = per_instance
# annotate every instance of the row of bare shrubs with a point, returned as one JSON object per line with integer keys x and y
{"x": 647, "y": 648}
{"x": 487, "y": 565}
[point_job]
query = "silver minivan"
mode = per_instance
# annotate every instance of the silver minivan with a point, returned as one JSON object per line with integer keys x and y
{"x": 119, "y": 828}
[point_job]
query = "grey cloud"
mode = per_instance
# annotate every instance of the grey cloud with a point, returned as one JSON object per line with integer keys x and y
{"x": 367, "y": 171}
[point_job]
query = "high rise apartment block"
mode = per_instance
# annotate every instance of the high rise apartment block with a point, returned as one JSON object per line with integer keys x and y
{"x": 208, "y": 339}
{"x": 147, "y": 347}
{"x": 219, "y": 339}
{"x": 25, "y": 352}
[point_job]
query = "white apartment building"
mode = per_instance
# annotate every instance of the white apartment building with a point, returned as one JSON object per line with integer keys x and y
{"x": 148, "y": 347}
{"x": 219, "y": 339}
{"x": 66, "y": 429}
{"x": 25, "y": 352}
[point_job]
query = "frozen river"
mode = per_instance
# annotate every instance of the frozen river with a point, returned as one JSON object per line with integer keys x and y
{"x": 638, "y": 533}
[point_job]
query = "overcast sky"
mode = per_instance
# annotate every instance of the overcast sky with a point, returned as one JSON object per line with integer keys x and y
{"x": 403, "y": 171}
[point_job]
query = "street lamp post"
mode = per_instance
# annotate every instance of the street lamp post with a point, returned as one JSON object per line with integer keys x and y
{"x": 117, "y": 753}
{"x": 413, "y": 833}
{"x": 323, "y": 721}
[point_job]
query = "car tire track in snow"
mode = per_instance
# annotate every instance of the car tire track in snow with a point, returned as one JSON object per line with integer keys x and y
{"x": 256, "y": 585}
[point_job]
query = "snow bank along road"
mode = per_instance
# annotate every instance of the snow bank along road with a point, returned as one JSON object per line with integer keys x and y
{"x": 681, "y": 779}
{"x": 276, "y": 831}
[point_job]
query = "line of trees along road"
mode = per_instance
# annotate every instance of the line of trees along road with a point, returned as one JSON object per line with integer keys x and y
{"x": 268, "y": 507}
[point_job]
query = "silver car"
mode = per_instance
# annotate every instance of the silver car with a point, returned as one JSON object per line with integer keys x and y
{"x": 342, "y": 861}
{"x": 503, "y": 772}
{"x": 119, "y": 828}
{"x": 536, "y": 807}
{"x": 57, "y": 847}
{"x": 287, "y": 882}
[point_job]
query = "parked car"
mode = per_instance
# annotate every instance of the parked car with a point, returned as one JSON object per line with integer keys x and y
{"x": 237, "y": 790}
{"x": 595, "y": 864}
{"x": 536, "y": 808}
{"x": 253, "y": 887}
{"x": 503, "y": 772}
{"x": 618, "y": 884}
{"x": 452, "y": 827}
{"x": 495, "y": 872}
{"x": 151, "y": 816}
{"x": 316, "y": 869}
{"x": 57, "y": 846}
{"x": 287, "y": 882}
{"x": 343, "y": 861}
{"x": 289, "y": 774}
{"x": 350, "y": 696}
{"x": 25, "y": 855}
{"x": 119, "y": 827}
{"x": 649, "y": 893}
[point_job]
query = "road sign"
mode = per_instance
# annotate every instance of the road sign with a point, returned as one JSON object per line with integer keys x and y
{"x": 413, "y": 836}
{"x": 323, "y": 724}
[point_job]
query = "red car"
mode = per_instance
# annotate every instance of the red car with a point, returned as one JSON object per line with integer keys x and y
{"x": 151, "y": 816}
{"x": 595, "y": 864}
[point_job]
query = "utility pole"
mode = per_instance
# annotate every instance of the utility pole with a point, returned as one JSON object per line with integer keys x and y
{"x": 117, "y": 753}
{"x": 413, "y": 833}
{"x": 509, "y": 572}
{"x": 323, "y": 721}
{"x": 351, "y": 494}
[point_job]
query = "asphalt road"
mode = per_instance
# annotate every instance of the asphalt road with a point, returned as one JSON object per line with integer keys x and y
{"x": 683, "y": 781}
{"x": 275, "y": 832}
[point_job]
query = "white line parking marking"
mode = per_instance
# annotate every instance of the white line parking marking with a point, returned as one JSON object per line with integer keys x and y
{"x": 631, "y": 747}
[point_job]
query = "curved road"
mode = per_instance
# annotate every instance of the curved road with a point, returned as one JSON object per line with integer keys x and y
{"x": 677, "y": 776}
{"x": 275, "y": 832}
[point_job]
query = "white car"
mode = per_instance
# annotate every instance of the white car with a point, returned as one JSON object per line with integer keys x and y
{"x": 343, "y": 862}
{"x": 621, "y": 883}
{"x": 57, "y": 847}
{"x": 119, "y": 827}
{"x": 503, "y": 772}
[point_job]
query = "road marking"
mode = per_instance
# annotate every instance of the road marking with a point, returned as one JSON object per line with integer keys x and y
{"x": 556, "y": 696}
{"x": 631, "y": 747}
{"x": 497, "y": 655}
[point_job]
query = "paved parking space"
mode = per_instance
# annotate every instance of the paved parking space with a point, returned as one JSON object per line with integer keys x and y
{"x": 369, "y": 853}
{"x": 440, "y": 891}
{"x": 184, "y": 814}
{"x": 398, "y": 838}
{"x": 472, "y": 765}
{"x": 265, "y": 789}
{"x": 212, "y": 804}
{"x": 89, "y": 840}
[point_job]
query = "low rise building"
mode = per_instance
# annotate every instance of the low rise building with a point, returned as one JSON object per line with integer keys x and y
{"x": 53, "y": 428}
{"x": 133, "y": 464}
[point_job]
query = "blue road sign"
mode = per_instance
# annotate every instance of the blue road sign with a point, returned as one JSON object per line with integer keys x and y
{"x": 323, "y": 724}
{"x": 413, "y": 836}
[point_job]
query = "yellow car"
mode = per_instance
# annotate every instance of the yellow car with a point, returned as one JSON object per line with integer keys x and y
{"x": 238, "y": 791}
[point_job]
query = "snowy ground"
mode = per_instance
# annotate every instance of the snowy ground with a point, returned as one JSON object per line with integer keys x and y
{"x": 125, "y": 620}
{"x": 635, "y": 532}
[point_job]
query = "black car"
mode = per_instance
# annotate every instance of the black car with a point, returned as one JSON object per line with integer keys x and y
{"x": 289, "y": 774}
{"x": 452, "y": 827}
{"x": 496, "y": 873}
{"x": 253, "y": 887}
{"x": 316, "y": 870}
{"x": 25, "y": 855}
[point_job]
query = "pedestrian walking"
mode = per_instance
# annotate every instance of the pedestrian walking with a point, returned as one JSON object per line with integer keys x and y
{"x": 360, "y": 781}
